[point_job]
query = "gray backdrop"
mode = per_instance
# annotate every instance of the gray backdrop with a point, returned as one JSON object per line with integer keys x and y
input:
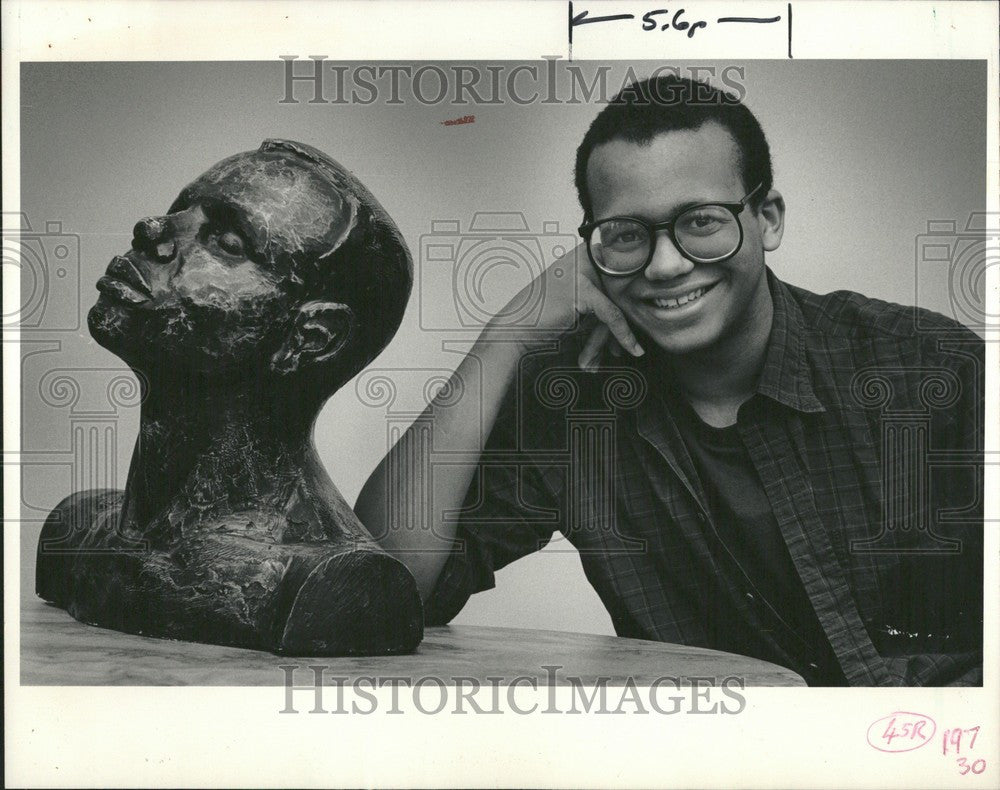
{"x": 865, "y": 153}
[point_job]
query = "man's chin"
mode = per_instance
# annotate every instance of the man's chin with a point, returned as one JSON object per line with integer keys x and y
{"x": 680, "y": 341}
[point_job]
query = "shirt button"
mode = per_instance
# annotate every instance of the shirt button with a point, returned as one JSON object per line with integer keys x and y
{"x": 749, "y": 595}
{"x": 701, "y": 518}
{"x": 813, "y": 666}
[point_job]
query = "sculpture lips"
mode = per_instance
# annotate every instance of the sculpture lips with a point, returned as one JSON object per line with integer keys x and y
{"x": 124, "y": 282}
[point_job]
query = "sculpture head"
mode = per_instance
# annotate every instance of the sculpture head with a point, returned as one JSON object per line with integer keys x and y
{"x": 276, "y": 264}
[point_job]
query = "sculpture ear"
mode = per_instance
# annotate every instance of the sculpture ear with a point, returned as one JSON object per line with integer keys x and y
{"x": 320, "y": 331}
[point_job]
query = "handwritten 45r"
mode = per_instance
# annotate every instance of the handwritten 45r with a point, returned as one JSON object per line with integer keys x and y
{"x": 912, "y": 730}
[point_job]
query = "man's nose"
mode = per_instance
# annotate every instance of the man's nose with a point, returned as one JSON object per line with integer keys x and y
{"x": 667, "y": 260}
{"x": 153, "y": 236}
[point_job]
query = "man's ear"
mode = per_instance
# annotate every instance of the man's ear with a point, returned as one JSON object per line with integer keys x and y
{"x": 771, "y": 216}
{"x": 319, "y": 332}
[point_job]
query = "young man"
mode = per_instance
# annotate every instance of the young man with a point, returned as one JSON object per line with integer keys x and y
{"x": 739, "y": 485}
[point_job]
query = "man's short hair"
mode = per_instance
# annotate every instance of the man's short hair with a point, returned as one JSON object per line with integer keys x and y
{"x": 669, "y": 103}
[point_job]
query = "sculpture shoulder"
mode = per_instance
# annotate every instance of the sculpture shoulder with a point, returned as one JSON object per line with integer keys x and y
{"x": 79, "y": 513}
{"x": 82, "y": 522}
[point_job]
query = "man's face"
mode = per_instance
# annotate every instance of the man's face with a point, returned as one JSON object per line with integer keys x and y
{"x": 682, "y": 306}
{"x": 212, "y": 285}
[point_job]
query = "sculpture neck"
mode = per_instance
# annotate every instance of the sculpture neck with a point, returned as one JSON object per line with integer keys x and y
{"x": 209, "y": 448}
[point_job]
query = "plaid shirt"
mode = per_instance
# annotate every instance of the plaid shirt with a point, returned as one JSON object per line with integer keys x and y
{"x": 866, "y": 430}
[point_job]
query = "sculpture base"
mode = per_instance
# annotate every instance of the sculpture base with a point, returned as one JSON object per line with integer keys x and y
{"x": 316, "y": 598}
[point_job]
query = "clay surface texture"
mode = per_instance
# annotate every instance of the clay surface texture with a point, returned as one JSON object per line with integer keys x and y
{"x": 271, "y": 281}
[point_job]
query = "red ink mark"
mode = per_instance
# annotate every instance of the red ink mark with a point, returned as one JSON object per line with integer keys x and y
{"x": 901, "y": 732}
{"x": 457, "y": 121}
{"x": 953, "y": 739}
{"x": 957, "y": 739}
{"x": 977, "y": 766}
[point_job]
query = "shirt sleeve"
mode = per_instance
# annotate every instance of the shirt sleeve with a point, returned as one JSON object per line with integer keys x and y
{"x": 954, "y": 583}
{"x": 968, "y": 440}
{"x": 509, "y": 512}
{"x": 962, "y": 496}
{"x": 938, "y": 669}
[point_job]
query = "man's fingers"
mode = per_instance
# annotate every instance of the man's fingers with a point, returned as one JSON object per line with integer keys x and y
{"x": 614, "y": 319}
{"x": 592, "y": 348}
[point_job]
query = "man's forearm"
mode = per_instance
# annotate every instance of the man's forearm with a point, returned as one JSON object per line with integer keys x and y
{"x": 483, "y": 378}
{"x": 461, "y": 427}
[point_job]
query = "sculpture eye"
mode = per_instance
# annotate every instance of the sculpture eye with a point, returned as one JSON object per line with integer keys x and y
{"x": 231, "y": 242}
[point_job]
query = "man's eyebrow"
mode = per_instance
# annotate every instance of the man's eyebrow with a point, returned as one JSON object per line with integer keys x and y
{"x": 673, "y": 211}
{"x": 680, "y": 208}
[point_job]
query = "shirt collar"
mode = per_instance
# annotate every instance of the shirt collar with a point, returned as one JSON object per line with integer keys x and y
{"x": 786, "y": 376}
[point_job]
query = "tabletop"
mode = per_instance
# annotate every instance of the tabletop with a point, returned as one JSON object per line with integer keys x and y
{"x": 58, "y": 650}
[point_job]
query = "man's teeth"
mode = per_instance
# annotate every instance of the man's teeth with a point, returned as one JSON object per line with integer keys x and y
{"x": 680, "y": 300}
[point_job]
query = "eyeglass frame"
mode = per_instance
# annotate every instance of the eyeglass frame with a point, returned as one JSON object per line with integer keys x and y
{"x": 652, "y": 228}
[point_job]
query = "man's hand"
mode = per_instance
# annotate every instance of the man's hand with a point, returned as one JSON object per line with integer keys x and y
{"x": 561, "y": 310}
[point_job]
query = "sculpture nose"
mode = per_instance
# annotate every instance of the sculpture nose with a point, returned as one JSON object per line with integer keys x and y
{"x": 151, "y": 235}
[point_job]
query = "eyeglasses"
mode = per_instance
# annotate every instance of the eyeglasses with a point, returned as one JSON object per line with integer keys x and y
{"x": 706, "y": 233}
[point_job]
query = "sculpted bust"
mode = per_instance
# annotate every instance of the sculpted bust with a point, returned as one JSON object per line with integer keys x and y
{"x": 273, "y": 279}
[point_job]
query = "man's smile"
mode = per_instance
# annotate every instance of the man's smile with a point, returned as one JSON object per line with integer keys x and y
{"x": 677, "y": 301}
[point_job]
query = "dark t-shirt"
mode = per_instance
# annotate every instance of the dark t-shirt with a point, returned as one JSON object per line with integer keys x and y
{"x": 747, "y": 538}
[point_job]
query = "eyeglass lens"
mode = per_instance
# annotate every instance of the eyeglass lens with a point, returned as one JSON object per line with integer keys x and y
{"x": 703, "y": 233}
